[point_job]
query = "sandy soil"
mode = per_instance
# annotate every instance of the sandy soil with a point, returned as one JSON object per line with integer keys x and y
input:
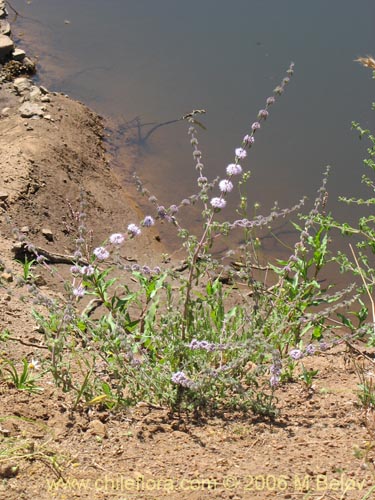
{"x": 319, "y": 446}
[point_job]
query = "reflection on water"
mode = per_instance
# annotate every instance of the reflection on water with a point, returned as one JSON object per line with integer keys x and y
{"x": 158, "y": 60}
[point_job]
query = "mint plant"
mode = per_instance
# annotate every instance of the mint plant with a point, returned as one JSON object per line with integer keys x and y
{"x": 206, "y": 335}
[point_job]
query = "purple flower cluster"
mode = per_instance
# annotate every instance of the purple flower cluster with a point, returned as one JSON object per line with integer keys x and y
{"x": 218, "y": 203}
{"x": 101, "y": 253}
{"x": 206, "y": 346}
{"x": 146, "y": 270}
{"x": 309, "y": 350}
{"x": 148, "y": 221}
{"x": 180, "y": 378}
{"x": 79, "y": 292}
{"x": 117, "y": 239}
{"x": 261, "y": 220}
{"x": 234, "y": 169}
{"x": 133, "y": 230}
{"x": 296, "y": 354}
{"x": 240, "y": 153}
{"x": 225, "y": 186}
{"x": 275, "y": 369}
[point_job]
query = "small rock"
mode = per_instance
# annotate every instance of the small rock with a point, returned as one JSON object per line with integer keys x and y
{"x": 29, "y": 64}
{"x": 2, "y": 12}
{"x": 3, "y": 196}
{"x": 6, "y": 277}
{"x": 6, "y": 46}
{"x": 49, "y": 117}
{"x": 40, "y": 281}
{"x": 44, "y": 90}
{"x": 4, "y": 28}
{"x": 9, "y": 471}
{"x": 21, "y": 84}
{"x": 30, "y": 110}
{"x": 34, "y": 94}
{"x": 5, "y": 111}
{"x": 45, "y": 98}
{"x": 25, "y": 229}
{"x": 18, "y": 55}
{"x": 48, "y": 234}
{"x": 97, "y": 428}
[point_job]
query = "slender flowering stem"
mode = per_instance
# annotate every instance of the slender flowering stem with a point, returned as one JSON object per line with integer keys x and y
{"x": 233, "y": 169}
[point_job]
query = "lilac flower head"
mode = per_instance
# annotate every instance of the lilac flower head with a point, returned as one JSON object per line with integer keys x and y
{"x": 310, "y": 350}
{"x": 263, "y": 114}
{"x": 134, "y": 230}
{"x": 181, "y": 379}
{"x": 234, "y": 169}
{"x": 323, "y": 346}
{"x": 146, "y": 270}
{"x": 75, "y": 269}
{"x": 274, "y": 380}
{"x": 117, "y": 239}
{"x": 240, "y": 153}
{"x": 249, "y": 139}
{"x": 87, "y": 270}
{"x": 173, "y": 209}
{"x": 201, "y": 344}
{"x": 255, "y": 126}
{"x": 162, "y": 213}
{"x": 218, "y": 202}
{"x": 270, "y": 100}
{"x": 202, "y": 180}
{"x": 148, "y": 221}
{"x": 79, "y": 291}
{"x": 225, "y": 186}
{"x": 101, "y": 253}
{"x": 296, "y": 354}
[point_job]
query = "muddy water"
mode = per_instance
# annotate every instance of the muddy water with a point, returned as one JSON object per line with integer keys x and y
{"x": 157, "y": 60}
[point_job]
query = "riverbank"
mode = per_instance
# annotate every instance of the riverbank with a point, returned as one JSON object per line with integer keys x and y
{"x": 50, "y": 147}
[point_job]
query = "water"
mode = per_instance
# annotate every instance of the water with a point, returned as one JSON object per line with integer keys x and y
{"x": 160, "y": 59}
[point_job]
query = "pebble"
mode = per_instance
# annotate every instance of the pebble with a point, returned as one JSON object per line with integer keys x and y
{"x": 3, "y": 196}
{"x": 30, "y": 110}
{"x": 7, "y": 277}
{"x": 6, "y": 46}
{"x": 18, "y": 55}
{"x": 21, "y": 84}
{"x": 34, "y": 94}
{"x": 97, "y": 428}
{"x": 5, "y": 111}
{"x": 4, "y": 28}
{"x": 48, "y": 234}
